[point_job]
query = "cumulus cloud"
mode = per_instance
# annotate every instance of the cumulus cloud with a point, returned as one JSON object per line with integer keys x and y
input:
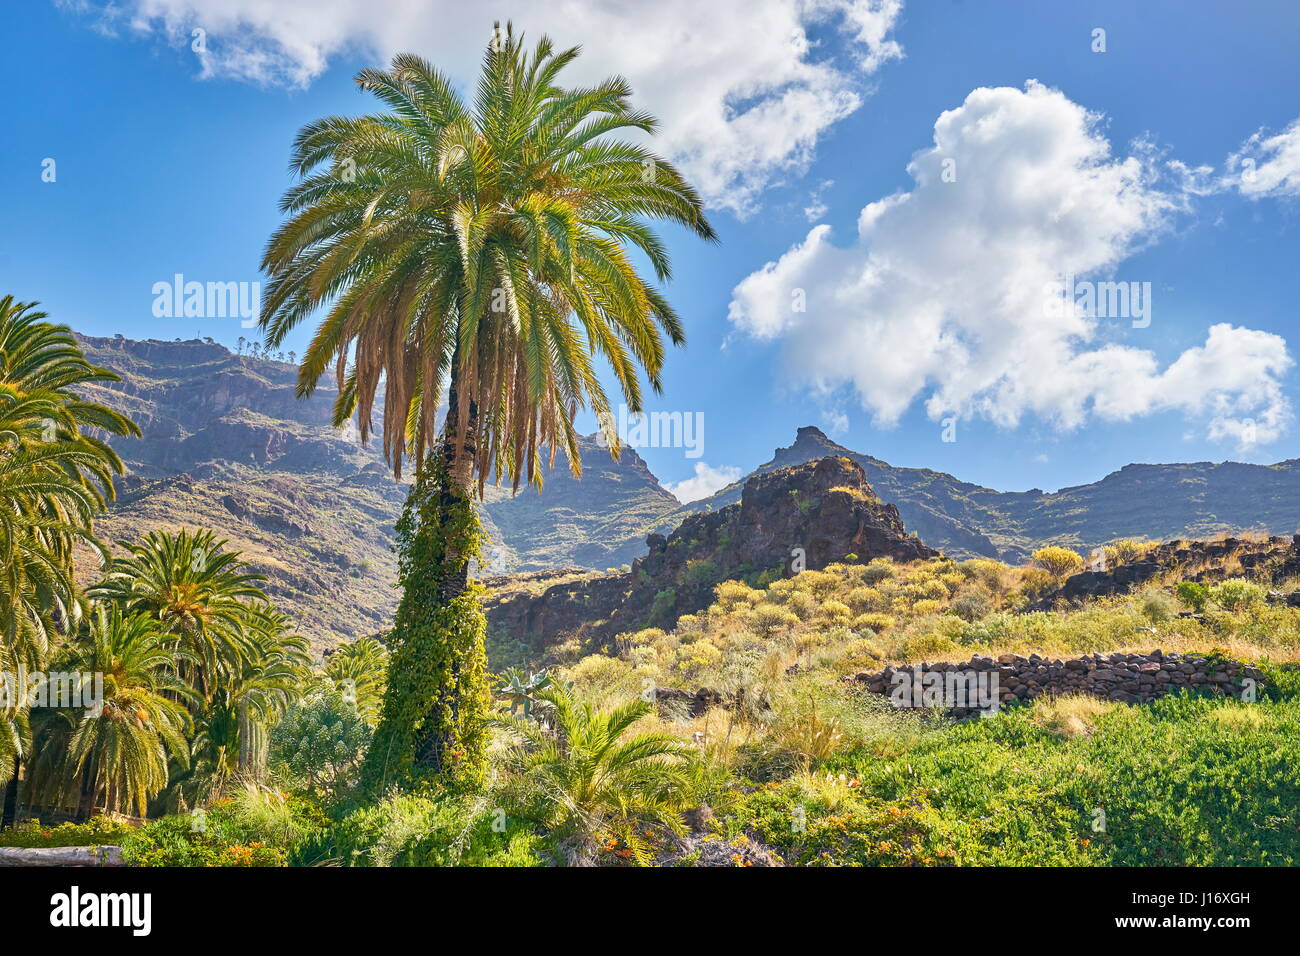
{"x": 743, "y": 91}
{"x": 945, "y": 297}
{"x": 704, "y": 482}
{"x": 1267, "y": 165}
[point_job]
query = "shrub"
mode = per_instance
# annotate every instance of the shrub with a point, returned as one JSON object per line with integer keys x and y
{"x": 1058, "y": 562}
{"x": 229, "y": 833}
{"x": 818, "y": 583}
{"x": 769, "y": 619}
{"x": 866, "y": 599}
{"x": 878, "y": 570}
{"x": 97, "y": 831}
{"x": 732, "y": 593}
{"x": 802, "y": 605}
{"x": 1193, "y": 594}
{"x": 1126, "y": 550}
{"x": 1236, "y": 594}
{"x": 320, "y": 744}
{"x": 874, "y": 622}
{"x": 835, "y": 611}
{"x": 972, "y": 602}
{"x": 1158, "y": 606}
{"x": 661, "y": 609}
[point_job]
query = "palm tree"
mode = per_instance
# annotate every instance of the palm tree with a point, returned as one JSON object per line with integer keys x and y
{"x": 55, "y": 477}
{"x": 118, "y": 758}
{"x": 484, "y": 248}
{"x": 232, "y": 729}
{"x": 199, "y": 595}
{"x": 587, "y": 778}
{"x": 361, "y": 671}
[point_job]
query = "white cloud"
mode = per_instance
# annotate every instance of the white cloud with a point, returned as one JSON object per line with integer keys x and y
{"x": 705, "y": 482}
{"x": 941, "y": 298}
{"x": 743, "y": 92}
{"x": 1267, "y": 165}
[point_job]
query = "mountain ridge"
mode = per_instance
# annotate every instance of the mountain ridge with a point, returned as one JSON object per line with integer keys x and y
{"x": 227, "y": 443}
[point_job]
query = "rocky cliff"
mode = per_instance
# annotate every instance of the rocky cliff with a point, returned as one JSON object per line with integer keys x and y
{"x": 788, "y": 519}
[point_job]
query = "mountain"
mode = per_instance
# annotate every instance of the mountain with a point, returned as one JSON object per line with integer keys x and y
{"x": 228, "y": 445}
{"x": 824, "y": 509}
{"x": 1194, "y": 500}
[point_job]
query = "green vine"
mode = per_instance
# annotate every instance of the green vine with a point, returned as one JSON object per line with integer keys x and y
{"x": 433, "y": 728}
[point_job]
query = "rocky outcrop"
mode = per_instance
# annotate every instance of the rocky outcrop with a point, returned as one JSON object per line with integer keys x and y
{"x": 1207, "y": 562}
{"x": 786, "y": 520}
{"x": 1014, "y": 678}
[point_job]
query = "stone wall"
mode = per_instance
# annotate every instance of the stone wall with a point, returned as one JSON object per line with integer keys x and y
{"x": 1128, "y": 678}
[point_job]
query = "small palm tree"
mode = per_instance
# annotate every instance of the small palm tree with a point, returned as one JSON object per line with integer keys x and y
{"x": 360, "y": 669}
{"x": 589, "y": 778}
{"x": 196, "y": 591}
{"x": 118, "y": 758}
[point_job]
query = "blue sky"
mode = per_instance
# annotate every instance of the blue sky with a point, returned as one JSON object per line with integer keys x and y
{"x": 1169, "y": 158}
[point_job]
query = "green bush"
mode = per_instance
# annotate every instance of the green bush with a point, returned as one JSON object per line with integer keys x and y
{"x": 1193, "y": 594}
{"x": 97, "y": 831}
{"x": 1236, "y": 594}
{"x": 252, "y": 828}
{"x": 412, "y": 830}
{"x": 320, "y": 744}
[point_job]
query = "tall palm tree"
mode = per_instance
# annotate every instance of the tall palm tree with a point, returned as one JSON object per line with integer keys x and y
{"x": 56, "y": 475}
{"x": 483, "y": 247}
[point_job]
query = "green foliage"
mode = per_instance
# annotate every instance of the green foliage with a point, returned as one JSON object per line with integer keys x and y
{"x": 360, "y": 670}
{"x": 1193, "y": 594}
{"x": 321, "y": 743}
{"x": 97, "y": 831}
{"x": 229, "y": 833}
{"x": 437, "y": 702}
{"x": 404, "y": 829}
{"x": 480, "y": 228}
{"x": 1182, "y": 782}
{"x": 1236, "y": 594}
{"x": 589, "y": 777}
{"x": 661, "y": 608}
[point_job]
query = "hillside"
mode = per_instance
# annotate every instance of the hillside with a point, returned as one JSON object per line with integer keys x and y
{"x": 228, "y": 445}
{"x": 1195, "y": 500}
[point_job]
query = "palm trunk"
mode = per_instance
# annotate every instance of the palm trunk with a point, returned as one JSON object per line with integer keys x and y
{"x": 458, "y": 455}
{"x": 10, "y": 816}
{"x": 437, "y": 700}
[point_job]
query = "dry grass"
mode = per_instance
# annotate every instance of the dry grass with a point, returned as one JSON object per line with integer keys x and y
{"x": 1069, "y": 716}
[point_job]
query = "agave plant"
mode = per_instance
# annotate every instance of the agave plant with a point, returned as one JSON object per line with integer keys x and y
{"x": 521, "y": 689}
